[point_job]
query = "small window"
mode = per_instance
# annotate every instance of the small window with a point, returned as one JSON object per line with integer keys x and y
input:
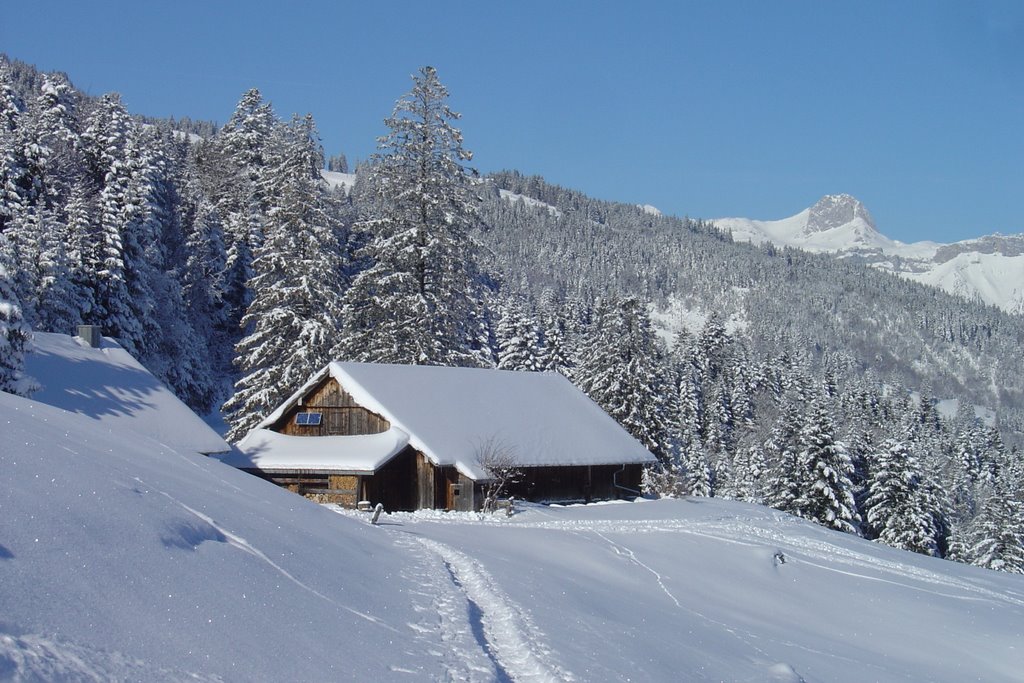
{"x": 310, "y": 419}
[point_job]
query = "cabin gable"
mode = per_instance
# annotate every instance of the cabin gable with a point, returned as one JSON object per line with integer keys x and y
{"x": 339, "y": 413}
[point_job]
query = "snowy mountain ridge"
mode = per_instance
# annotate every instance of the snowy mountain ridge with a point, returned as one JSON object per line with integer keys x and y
{"x": 988, "y": 269}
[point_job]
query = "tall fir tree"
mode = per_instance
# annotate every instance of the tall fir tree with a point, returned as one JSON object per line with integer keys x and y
{"x": 896, "y": 508}
{"x": 13, "y": 166}
{"x": 236, "y": 170}
{"x": 14, "y": 340}
{"x": 827, "y": 498}
{"x": 203, "y": 283}
{"x": 518, "y": 339}
{"x": 416, "y": 301}
{"x": 623, "y": 371}
{"x": 106, "y": 142}
{"x": 297, "y": 286}
{"x": 786, "y": 479}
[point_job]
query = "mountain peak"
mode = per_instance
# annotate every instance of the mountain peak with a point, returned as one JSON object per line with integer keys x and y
{"x": 836, "y": 210}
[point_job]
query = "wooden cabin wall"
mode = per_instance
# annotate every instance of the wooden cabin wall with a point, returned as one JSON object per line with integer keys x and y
{"x": 342, "y": 416}
{"x": 426, "y": 490}
{"x": 394, "y": 484}
{"x": 578, "y": 483}
{"x": 467, "y": 500}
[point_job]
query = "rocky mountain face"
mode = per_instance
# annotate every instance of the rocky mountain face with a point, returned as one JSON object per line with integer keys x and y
{"x": 835, "y": 211}
{"x": 988, "y": 269}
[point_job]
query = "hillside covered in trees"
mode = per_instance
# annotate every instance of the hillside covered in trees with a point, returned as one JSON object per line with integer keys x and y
{"x": 224, "y": 262}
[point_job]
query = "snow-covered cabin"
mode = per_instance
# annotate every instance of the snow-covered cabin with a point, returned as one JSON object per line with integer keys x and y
{"x": 411, "y": 436}
{"x": 94, "y": 376}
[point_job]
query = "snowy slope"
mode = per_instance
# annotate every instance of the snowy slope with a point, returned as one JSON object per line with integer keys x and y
{"x": 121, "y": 561}
{"x": 529, "y": 201}
{"x": 992, "y": 278}
{"x": 693, "y": 590}
{"x": 989, "y": 269}
{"x": 109, "y": 385}
{"x": 335, "y": 179}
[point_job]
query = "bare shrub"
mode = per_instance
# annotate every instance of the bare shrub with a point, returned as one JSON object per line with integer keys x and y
{"x": 498, "y": 460}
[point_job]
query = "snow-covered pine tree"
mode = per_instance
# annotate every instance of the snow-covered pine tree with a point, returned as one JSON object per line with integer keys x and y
{"x": 415, "y": 302}
{"x": 14, "y": 340}
{"x": 80, "y": 242}
{"x": 696, "y": 470}
{"x": 693, "y": 462}
{"x": 622, "y": 370}
{"x": 105, "y": 142}
{"x": 297, "y": 288}
{"x": 12, "y": 163}
{"x": 995, "y": 538}
{"x": 518, "y": 339}
{"x": 236, "y": 172}
{"x": 58, "y": 303}
{"x": 828, "y": 497}
{"x": 896, "y": 509}
{"x": 248, "y": 140}
{"x": 786, "y": 478}
{"x": 56, "y": 123}
{"x": 750, "y": 474}
{"x": 203, "y": 283}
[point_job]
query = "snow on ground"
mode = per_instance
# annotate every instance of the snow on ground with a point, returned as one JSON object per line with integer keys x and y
{"x": 346, "y": 181}
{"x": 702, "y": 589}
{"x": 109, "y": 385}
{"x": 991, "y": 278}
{"x": 121, "y": 559}
{"x": 678, "y": 316}
{"x": 529, "y": 201}
{"x": 950, "y": 407}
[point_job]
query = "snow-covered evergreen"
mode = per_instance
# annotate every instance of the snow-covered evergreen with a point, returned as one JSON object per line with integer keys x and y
{"x": 14, "y": 340}
{"x": 622, "y": 370}
{"x": 518, "y": 339}
{"x": 828, "y": 496}
{"x": 896, "y": 510}
{"x": 995, "y": 538}
{"x": 297, "y": 288}
{"x": 415, "y": 302}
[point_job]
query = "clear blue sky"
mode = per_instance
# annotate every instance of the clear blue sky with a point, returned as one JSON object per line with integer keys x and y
{"x": 705, "y": 109}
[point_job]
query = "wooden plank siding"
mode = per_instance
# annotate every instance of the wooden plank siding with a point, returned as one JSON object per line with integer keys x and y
{"x": 425, "y": 482}
{"x": 341, "y": 414}
{"x": 393, "y": 485}
{"x": 582, "y": 483}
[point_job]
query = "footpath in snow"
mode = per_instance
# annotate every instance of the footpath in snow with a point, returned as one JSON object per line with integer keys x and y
{"x": 699, "y": 589}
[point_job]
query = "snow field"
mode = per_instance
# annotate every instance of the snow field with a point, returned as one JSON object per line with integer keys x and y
{"x": 694, "y": 590}
{"x": 125, "y": 559}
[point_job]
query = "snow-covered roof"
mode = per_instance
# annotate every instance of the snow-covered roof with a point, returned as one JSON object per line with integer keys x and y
{"x": 109, "y": 385}
{"x": 541, "y": 419}
{"x": 269, "y": 450}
